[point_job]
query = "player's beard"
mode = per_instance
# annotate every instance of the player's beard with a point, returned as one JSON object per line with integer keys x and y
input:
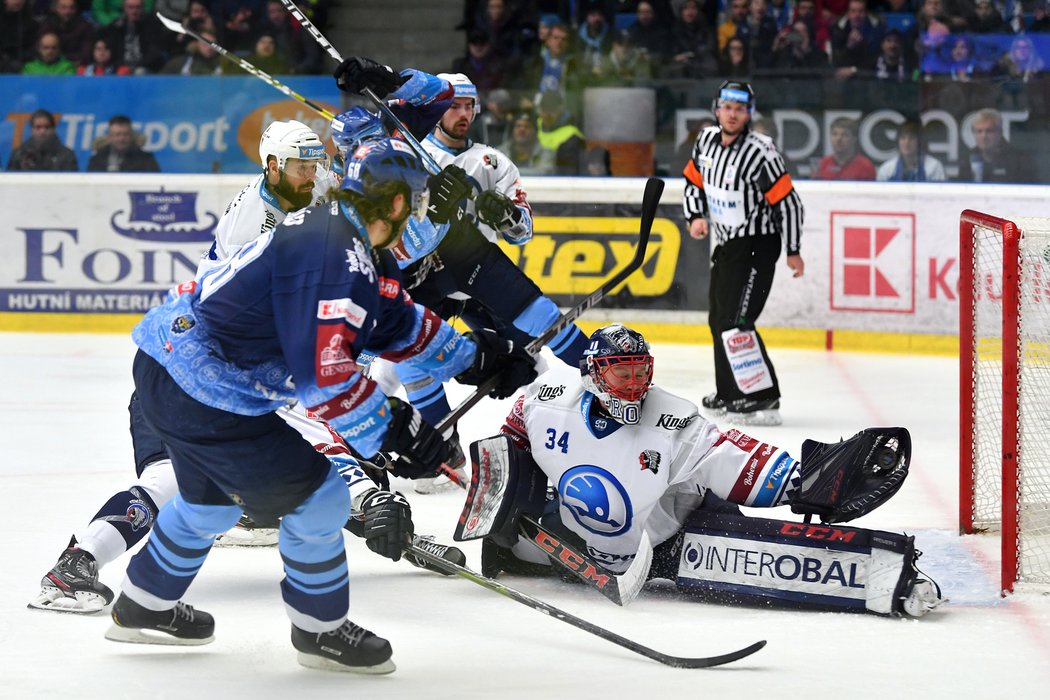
{"x": 298, "y": 198}
{"x": 457, "y": 130}
{"x": 397, "y": 227}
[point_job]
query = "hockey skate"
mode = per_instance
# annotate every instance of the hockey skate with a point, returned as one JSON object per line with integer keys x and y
{"x": 924, "y": 596}
{"x": 446, "y": 552}
{"x": 72, "y": 585}
{"x": 247, "y": 533}
{"x": 349, "y": 648}
{"x": 714, "y": 404}
{"x": 457, "y": 462}
{"x": 180, "y": 626}
{"x": 753, "y": 412}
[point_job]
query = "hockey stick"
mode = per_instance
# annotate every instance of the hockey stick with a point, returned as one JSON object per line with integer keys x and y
{"x": 654, "y": 187}
{"x": 245, "y": 65}
{"x": 427, "y": 159}
{"x": 558, "y": 614}
{"x": 619, "y": 588}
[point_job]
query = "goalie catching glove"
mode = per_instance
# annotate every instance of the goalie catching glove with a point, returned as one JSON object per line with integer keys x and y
{"x": 388, "y": 525}
{"x": 511, "y": 365}
{"x": 355, "y": 74}
{"x": 496, "y": 210}
{"x": 847, "y": 479}
{"x": 447, "y": 189}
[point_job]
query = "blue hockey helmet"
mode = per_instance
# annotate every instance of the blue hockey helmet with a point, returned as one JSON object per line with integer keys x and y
{"x": 355, "y": 125}
{"x": 377, "y": 167}
{"x": 735, "y": 91}
{"x": 617, "y": 367}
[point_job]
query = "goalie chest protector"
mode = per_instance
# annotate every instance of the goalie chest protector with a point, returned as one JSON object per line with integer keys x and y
{"x": 738, "y": 559}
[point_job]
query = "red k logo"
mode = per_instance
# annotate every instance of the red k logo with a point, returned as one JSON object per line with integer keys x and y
{"x": 873, "y": 262}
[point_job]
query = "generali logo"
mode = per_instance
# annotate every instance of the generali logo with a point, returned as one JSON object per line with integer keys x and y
{"x": 873, "y": 262}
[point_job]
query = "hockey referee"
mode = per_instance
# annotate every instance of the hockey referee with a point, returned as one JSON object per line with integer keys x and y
{"x": 737, "y": 189}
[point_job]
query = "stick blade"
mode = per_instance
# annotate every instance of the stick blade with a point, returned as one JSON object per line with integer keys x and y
{"x": 710, "y": 661}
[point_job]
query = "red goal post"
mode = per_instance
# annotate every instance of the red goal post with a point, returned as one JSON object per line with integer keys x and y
{"x": 1004, "y": 389}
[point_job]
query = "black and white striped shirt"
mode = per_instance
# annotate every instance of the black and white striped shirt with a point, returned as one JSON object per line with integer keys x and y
{"x": 742, "y": 189}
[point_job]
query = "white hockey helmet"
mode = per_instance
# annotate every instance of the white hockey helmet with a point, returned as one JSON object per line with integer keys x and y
{"x": 617, "y": 367}
{"x": 462, "y": 87}
{"x": 290, "y": 139}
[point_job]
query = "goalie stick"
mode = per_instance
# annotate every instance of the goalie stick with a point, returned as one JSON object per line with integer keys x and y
{"x": 244, "y": 65}
{"x": 558, "y": 614}
{"x": 427, "y": 159}
{"x": 619, "y": 588}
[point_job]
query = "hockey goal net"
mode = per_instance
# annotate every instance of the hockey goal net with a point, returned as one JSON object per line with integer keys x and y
{"x": 1004, "y": 391}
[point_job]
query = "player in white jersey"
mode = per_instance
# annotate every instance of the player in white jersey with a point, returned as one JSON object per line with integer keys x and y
{"x": 294, "y": 177}
{"x": 624, "y": 457}
{"x": 501, "y": 208}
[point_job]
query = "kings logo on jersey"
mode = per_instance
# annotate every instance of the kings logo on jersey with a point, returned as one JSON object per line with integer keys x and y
{"x": 596, "y": 500}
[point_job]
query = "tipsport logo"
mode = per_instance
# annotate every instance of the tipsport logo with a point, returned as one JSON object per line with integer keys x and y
{"x": 597, "y": 500}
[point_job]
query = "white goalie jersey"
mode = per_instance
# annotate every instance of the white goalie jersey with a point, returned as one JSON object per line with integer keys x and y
{"x": 613, "y": 481}
{"x": 488, "y": 169}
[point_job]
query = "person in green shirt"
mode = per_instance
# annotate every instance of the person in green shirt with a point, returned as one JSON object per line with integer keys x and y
{"x": 48, "y": 60}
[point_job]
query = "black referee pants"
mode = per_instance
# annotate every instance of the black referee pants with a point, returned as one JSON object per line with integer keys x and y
{"x": 741, "y": 277}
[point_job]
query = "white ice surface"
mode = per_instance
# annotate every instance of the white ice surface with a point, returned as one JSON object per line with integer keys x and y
{"x": 65, "y": 449}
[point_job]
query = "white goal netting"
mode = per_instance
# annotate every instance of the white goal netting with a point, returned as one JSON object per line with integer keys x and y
{"x": 1030, "y": 383}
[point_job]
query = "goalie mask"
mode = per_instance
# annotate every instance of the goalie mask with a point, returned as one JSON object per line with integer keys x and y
{"x": 617, "y": 368}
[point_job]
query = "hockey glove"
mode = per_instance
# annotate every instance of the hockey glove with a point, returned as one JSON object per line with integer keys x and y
{"x": 414, "y": 440}
{"x": 447, "y": 189}
{"x": 847, "y": 479}
{"x": 495, "y": 356}
{"x": 496, "y": 210}
{"x": 355, "y": 74}
{"x": 388, "y": 523}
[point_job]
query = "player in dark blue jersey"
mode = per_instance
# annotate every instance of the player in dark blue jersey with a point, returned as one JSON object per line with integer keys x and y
{"x": 284, "y": 320}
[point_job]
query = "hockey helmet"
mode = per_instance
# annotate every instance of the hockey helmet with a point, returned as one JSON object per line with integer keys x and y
{"x": 354, "y": 126}
{"x": 617, "y": 367}
{"x": 735, "y": 91}
{"x": 290, "y": 139}
{"x": 462, "y": 87}
{"x": 377, "y": 167}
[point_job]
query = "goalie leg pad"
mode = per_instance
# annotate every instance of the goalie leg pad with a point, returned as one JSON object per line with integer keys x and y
{"x": 741, "y": 560}
{"x": 505, "y": 482}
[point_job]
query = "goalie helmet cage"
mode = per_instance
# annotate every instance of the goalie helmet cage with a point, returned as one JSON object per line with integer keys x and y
{"x": 1004, "y": 389}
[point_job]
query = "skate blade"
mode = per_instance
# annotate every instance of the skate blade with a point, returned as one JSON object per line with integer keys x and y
{"x": 440, "y": 484}
{"x": 767, "y": 417}
{"x": 322, "y": 664}
{"x": 239, "y": 537}
{"x": 81, "y": 603}
{"x": 132, "y": 635}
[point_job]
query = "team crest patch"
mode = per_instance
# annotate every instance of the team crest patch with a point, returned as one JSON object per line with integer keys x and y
{"x": 490, "y": 160}
{"x": 650, "y": 459}
{"x": 181, "y": 324}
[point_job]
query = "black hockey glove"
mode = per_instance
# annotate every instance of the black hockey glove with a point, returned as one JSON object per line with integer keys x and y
{"x": 356, "y": 73}
{"x": 388, "y": 523}
{"x": 447, "y": 189}
{"x": 512, "y": 365}
{"x": 496, "y": 210}
{"x": 845, "y": 480}
{"x": 414, "y": 440}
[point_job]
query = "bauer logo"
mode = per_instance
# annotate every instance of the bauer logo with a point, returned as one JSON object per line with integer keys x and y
{"x": 596, "y": 500}
{"x": 873, "y": 262}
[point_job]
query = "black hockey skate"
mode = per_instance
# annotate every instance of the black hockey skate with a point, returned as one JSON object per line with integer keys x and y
{"x": 496, "y": 559}
{"x": 712, "y": 402}
{"x": 753, "y": 412}
{"x": 456, "y": 461}
{"x": 72, "y": 585}
{"x": 446, "y": 552}
{"x": 182, "y": 625}
{"x": 349, "y": 648}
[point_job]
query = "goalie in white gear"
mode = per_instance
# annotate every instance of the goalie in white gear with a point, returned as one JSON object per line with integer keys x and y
{"x": 624, "y": 457}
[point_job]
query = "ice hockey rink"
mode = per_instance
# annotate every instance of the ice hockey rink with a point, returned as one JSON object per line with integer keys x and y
{"x": 66, "y": 448}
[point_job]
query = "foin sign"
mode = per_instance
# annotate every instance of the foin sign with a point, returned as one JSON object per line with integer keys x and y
{"x": 873, "y": 262}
